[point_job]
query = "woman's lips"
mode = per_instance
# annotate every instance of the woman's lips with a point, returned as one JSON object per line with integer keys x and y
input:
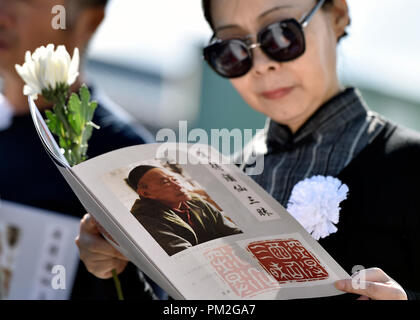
{"x": 277, "y": 93}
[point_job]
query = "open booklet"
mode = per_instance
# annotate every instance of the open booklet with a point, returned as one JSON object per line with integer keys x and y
{"x": 196, "y": 225}
{"x": 38, "y": 258}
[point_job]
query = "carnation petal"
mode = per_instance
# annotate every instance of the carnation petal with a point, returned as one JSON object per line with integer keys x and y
{"x": 315, "y": 204}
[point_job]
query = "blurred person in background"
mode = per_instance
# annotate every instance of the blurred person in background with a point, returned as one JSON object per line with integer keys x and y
{"x": 26, "y": 25}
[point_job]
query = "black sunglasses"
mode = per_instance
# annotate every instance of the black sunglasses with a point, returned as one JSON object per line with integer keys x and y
{"x": 281, "y": 41}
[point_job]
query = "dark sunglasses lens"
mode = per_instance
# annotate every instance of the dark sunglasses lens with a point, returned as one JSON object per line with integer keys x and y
{"x": 230, "y": 58}
{"x": 283, "y": 41}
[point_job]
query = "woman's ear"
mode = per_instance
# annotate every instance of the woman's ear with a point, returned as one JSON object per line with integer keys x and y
{"x": 340, "y": 17}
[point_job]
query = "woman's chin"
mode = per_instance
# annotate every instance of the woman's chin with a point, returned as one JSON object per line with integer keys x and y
{"x": 281, "y": 115}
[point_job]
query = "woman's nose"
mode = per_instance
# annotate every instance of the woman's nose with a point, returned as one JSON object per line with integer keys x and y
{"x": 262, "y": 63}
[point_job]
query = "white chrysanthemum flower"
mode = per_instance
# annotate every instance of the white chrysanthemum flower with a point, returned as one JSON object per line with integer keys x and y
{"x": 46, "y": 68}
{"x": 315, "y": 204}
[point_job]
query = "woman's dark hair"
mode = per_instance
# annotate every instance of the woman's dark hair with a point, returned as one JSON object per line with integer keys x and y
{"x": 85, "y": 3}
{"x": 91, "y": 3}
{"x": 73, "y": 8}
{"x": 207, "y": 13}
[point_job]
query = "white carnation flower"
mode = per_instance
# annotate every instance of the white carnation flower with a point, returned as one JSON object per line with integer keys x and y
{"x": 46, "y": 68}
{"x": 315, "y": 204}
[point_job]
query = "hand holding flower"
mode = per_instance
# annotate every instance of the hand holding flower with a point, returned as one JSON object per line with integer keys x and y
{"x": 98, "y": 255}
{"x": 50, "y": 73}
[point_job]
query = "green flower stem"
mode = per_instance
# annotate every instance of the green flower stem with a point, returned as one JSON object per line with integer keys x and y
{"x": 117, "y": 284}
{"x": 72, "y": 149}
{"x": 58, "y": 97}
{"x": 70, "y": 153}
{"x": 59, "y": 109}
{"x": 72, "y": 124}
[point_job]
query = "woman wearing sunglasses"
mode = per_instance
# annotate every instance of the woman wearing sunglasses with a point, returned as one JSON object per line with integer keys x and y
{"x": 280, "y": 55}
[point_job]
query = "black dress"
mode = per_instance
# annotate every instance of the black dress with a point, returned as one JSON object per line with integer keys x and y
{"x": 379, "y": 223}
{"x": 380, "y": 220}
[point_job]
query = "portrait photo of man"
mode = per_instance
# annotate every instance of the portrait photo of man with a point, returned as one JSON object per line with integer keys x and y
{"x": 175, "y": 217}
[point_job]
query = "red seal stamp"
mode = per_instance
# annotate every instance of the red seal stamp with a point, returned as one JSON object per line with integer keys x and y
{"x": 287, "y": 260}
{"x": 242, "y": 278}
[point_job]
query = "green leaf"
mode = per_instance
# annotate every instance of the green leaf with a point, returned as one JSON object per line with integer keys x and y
{"x": 87, "y": 106}
{"x": 66, "y": 130}
{"x": 76, "y": 114}
{"x": 53, "y": 122}
{"x": 72, "y": 123}
{"x": 87, "y": 133}
{"x": 64, "y": 143}
{"x": 85, "y": 98}
{"x": 91, "y": 110}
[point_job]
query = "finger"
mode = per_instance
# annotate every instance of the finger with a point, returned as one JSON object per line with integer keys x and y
{"x": 90, "y": 257}
{"x": 98, "y": 245}
{"x": 90, "y": 239}
{"x": 373, "y": 290}
{"x": 88, "y": 225}
{"x": 371, "y": 274}
{"x": 94, "y": 242}
{"x": 103, "y": 269}
{"x": 363, "y": 298}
